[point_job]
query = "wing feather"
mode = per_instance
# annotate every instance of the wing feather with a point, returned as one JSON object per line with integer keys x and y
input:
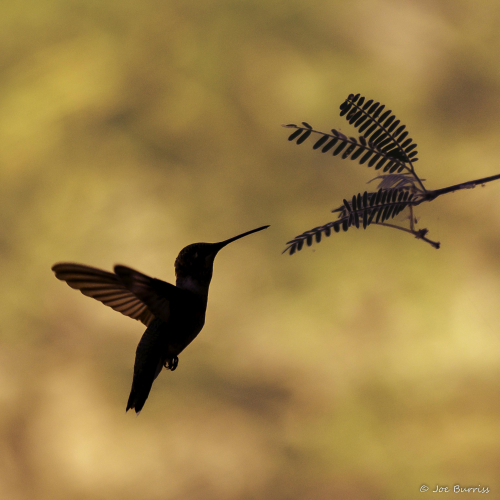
{"x": 157, "y": 294}
{"x": 106, "y": 288}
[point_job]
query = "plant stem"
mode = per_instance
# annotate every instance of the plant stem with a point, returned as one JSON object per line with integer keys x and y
{"x": 432, "y": 195}
{"x": 420, "y": 234}
{"x": 412, "y": 170}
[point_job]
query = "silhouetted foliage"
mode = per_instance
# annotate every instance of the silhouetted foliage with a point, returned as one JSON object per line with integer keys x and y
{"x": 385, "y": 145}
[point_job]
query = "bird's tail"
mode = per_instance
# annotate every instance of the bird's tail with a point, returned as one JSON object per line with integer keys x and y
{"x": 141, "y": 385}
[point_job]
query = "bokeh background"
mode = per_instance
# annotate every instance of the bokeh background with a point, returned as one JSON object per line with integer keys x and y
{"x": 361, "y": 368}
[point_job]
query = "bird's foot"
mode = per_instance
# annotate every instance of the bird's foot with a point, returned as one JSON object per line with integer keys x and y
{"x": 171, "y": 364}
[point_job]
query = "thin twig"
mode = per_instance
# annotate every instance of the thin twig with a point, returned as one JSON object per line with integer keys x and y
{"x": 419, "y": 234}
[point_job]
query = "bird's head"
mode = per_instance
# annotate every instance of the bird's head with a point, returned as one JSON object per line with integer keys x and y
{"x": 194, "y": 264}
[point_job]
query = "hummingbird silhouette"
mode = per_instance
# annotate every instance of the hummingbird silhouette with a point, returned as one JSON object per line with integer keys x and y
{"x": 174, "y": 315}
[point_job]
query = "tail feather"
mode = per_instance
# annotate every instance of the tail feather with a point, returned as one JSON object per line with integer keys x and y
{"x": 141, "y": 386}
{"x": 137, "y": 399}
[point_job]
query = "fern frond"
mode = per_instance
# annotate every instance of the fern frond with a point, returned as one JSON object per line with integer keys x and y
{"x": 350, "y": 147}
{"x": 379, "y": 127}
{"x": 363, "y": 210}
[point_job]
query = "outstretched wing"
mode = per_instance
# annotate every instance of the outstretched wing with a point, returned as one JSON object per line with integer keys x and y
{"x": 155, "y": 293}
{"x": 106, "y": 288}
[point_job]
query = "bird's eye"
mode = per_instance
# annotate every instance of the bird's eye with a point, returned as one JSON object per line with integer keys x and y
{"x": 195, "y": 255}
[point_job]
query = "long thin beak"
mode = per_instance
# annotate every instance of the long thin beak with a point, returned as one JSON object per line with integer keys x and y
{"x": 222, "y": 244}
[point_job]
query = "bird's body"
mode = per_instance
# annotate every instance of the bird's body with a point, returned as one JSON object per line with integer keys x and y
{"x": 174, "y": 315}
{"x": 161, "y": 344}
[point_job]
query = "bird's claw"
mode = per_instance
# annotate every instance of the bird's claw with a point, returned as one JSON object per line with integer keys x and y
{"x": 171, "y": 364}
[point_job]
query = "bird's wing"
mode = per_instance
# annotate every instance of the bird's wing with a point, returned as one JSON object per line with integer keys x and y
{"x": 106, "y": 288}
{"x": 155, "y": 293}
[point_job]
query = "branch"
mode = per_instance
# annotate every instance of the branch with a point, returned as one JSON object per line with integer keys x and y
{"x": 432, "y": 195}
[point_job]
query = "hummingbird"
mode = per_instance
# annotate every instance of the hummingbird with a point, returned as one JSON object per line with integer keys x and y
{"x": 173, "y": 314}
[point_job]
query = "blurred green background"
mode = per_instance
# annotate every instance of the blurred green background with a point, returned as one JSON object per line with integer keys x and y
{"x": 360, "y": 368}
